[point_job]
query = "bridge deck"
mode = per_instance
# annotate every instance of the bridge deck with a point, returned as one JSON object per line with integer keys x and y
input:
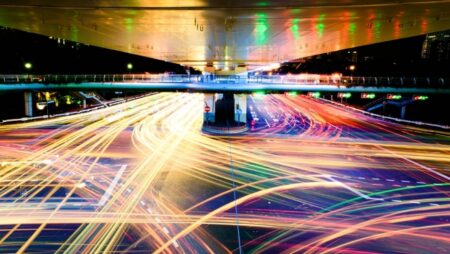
{"x": 212, "y": 87}
{"x": 211, "y": 83}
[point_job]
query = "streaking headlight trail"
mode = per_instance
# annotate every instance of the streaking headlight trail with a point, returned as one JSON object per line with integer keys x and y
{"x": 141, "y": 177}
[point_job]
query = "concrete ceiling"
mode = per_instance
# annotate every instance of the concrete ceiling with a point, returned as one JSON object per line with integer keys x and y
{"x": 227, "y": 32}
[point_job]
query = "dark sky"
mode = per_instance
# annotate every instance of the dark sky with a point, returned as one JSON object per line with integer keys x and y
{"x": 398, "y": 58}
{"x": 57, "y": 56}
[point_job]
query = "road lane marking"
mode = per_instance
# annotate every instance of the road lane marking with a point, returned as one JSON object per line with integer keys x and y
{"x": 357, "y": 192}
{"x": 111, "y": 187}
{"x": 417, "y": 164}
{"x": 430, "y": 169}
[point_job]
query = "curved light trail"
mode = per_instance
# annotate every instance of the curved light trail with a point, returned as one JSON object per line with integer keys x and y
{"x": 141, "y": 177}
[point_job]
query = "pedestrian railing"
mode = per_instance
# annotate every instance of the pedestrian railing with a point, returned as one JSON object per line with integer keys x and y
{"x": 300, "y": 79}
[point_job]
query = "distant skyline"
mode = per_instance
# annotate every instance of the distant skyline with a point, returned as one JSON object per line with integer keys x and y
{"x": 404, "y": 57}
{"x": 436, "y": 46}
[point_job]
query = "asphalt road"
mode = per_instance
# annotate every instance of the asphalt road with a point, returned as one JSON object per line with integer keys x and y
{"x": 309, "y": 177}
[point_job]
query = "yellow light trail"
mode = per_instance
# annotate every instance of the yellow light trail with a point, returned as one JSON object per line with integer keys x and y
{"x": 142, "y": 173}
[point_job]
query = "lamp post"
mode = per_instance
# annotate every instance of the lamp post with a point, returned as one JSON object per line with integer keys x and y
{"x": 352, "y": 69}
{"x": 28, "y": 65}
{"x": 129, "y": 67}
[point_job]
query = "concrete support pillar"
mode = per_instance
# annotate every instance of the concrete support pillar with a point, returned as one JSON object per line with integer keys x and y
{"x": 28, "y": 98}
{"x": 225, "y": 110}
{"x": 84, "y": 103}
{"x": 227, "y": 113}
{"x": 403, "y": 112}
{"x": 210, "y": 101}
{"x": 240, "y": 108}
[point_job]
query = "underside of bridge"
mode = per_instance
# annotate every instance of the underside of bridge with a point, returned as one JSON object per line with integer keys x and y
{"x": 227, "y": 34}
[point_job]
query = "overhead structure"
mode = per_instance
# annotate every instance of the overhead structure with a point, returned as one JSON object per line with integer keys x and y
{"x": 227, "y": 34}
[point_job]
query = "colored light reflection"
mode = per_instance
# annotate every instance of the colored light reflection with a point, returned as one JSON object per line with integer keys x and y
{"x": 129, "y": 24}
{"x": 261, "y": 29}
{"x": 295, "y": 29}
{"x": 424, "y": 25}
{"x": 397, "y": 28}
{"x": 377, "y": 29}
{"x": 352, "y": 28}
{"x": 320, "y": 29}
{"x": 320, "y": 26}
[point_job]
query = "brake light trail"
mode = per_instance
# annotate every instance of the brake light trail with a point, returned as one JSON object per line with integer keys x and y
{"x": 316, "y": 179}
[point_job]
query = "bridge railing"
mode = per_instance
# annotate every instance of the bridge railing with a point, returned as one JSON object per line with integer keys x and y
{"x": 309, "y": 79}
{"x": 77, "y": 78}
{"x": 353, "y": 80}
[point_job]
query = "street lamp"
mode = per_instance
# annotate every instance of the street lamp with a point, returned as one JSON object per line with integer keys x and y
{"x": 352, "y": 68}
{"x": 129, "y": 66}
{"x": 28, "y": 65}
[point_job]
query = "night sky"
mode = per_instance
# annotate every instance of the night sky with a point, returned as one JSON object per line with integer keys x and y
{"x": 398, "y": 58}
{"x": 57, "y": 56}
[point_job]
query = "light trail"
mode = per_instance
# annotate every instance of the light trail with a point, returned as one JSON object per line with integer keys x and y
{"x": 311, "y": 177}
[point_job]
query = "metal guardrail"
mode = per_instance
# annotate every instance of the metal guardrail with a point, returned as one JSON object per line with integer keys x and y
{"x": 104, "y": 105}
{"x": 393, "y": 119}
{"x": 70, "y": 78}
{"x": 309, "y": 79}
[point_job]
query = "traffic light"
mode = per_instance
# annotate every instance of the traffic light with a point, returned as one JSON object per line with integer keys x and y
{"x": 393, "y": 96}
{"x": 368, "y": 96}
{"x": 420, "y": 97}
{"x": 344, "y": 95}
{"x": 314, "y": 94}
{"x": 259, "y": 93}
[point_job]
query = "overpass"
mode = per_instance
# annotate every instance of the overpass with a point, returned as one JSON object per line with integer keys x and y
{"x": 229, "y": 83}
{"x": 220, "y": 35}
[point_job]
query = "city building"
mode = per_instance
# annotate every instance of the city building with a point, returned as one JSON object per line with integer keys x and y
{"x": 437, "y": 46}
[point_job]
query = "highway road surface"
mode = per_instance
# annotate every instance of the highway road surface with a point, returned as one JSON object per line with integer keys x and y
{"x": 140, "y": 177}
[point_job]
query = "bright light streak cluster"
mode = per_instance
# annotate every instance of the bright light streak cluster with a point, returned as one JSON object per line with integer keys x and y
{"x": 141, "y": 177}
